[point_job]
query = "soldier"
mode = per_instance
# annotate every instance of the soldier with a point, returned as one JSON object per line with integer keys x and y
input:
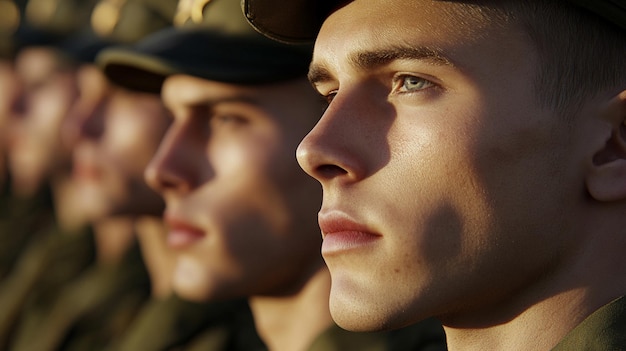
{"x": 473, "y": 162}
{"x": 77, "y": 291}
{"x": 114, "y": 132}
{"x": 241, "y": 214}
{"x": 10, "y": 243}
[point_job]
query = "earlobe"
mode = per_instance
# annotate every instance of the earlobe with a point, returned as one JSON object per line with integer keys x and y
{"x": 606, "y": 181}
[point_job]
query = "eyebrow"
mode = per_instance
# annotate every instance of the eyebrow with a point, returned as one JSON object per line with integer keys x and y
{"x": 366, "y": 60}
{"x": 210, "y": 102}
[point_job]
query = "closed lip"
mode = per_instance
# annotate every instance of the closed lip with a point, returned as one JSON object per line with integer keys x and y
{"x": 85, "y": 171}
{"x": 181, "y": 234}
{"x": 85, "y": 164}
{"x": 342, "y": 233}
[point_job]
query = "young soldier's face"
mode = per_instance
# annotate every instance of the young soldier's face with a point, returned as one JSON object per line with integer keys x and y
{"x": 114, "y": 134}
{"x": 241, "y": 212}
{"x": 48, "y": 90}
{"x": 444, "y": 183}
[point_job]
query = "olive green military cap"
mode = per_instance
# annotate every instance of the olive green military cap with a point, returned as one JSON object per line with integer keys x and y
{"x": 81, "y": 28}
{"x": 128, "y": 21}
{"x": 212, "y": 40}
{"x": 119, "y": 22}
{"x": 298, "y": 21}
{"x": 48, "y": 22}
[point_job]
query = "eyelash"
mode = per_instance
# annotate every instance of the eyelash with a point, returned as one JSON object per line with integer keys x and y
{"x": 400, "y": 80}
{"x": 397, "y": 84}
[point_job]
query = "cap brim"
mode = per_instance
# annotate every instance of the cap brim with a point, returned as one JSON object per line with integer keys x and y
{"x": 296, "y": 21}
{"x": 204, "y": 54}
{"x": 299, "y": 21}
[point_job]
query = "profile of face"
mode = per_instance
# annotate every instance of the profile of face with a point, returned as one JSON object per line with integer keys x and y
{"x": 34, "y": 146}
{"x": 241, "y": 213}
{"x": 113, "y": 134}
{"x": 446, "y": 186}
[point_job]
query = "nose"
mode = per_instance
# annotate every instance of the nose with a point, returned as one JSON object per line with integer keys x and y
{"x": 19, "y": 105}
{"x": 85, "y": 121}
{"x": 86, "y": 118}
{"x": 334, "y": 148}
{"x": 176, "y": 164}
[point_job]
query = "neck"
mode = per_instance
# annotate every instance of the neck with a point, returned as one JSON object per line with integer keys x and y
{"x": 114, "y": 237}
{"x": 539, "y": 327}
{"x": 292, "y": 323}
{"x": 538, "y": 318}
{"x": 67, "y": 214}
{"x": 160, "y": 260}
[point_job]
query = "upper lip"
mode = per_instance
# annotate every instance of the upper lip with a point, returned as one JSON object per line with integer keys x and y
{"x": 337, "y": 222}
{"x": 85, "y": 165}
{"x": 177, "y": 223}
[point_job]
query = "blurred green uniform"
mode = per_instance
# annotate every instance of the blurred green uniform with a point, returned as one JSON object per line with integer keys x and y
{"x": 425, "y": 336}
{"x": 20, "y": 219}
{"x": 88, "y": 312}
{"x": 177, "y": 324}
{"x": 50, "y": 261}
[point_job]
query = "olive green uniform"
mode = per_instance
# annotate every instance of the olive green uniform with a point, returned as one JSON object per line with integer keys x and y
{"x": 20, "y": 219}
{"x": 424, "y": 336}
{"x": 89, "y": 311}
{"x": 604, "y": 330}
{"x": 176, "y": 324}
{"x": 52, "y": 260}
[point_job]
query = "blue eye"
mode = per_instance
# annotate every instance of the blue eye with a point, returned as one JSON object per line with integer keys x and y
{"x": 413, "y": 83}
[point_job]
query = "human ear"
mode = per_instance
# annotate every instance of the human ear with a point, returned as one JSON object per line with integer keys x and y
{"x": 607, "y": 179}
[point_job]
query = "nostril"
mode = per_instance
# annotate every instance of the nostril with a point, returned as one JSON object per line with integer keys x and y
{"x": 19, "y": 106}
{"x": 330, "y": 171}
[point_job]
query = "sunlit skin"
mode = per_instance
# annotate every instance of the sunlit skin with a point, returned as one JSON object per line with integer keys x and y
{"x": 241, "y": 212}
{"x": 114, "y": 133}
{"x": 448, "y": 190}
{"x": 35, "y": 148}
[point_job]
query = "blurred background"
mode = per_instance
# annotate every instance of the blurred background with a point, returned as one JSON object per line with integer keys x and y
{"x": 84, "y": 263}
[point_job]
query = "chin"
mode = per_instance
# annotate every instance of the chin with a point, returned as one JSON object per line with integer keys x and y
{"x": 360, "y": 309}
{"x": 189, "y": 280}
{"x": 351, "y": 311}
{"x": 190, "y": 294}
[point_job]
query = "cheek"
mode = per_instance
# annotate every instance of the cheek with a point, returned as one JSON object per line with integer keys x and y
{"x": 237, "y": 235}
{"x": 131, "y": 146}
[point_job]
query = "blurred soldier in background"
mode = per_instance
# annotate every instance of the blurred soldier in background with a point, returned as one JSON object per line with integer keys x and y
{"x": 77, "y": 292}
{"x": 39, "y": 166}
{"x": 241, "y": 214}
{"x": 70, "y": 291}
{"x": 12, "y": 233}
{"x": 9, "y": 21}
{"x": 114, "y": 132}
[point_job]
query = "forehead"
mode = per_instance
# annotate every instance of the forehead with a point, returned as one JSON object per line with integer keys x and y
{"x": 453, "y": 28}
{"x": 185, "y": 90}
{"x": 37, "y": 63}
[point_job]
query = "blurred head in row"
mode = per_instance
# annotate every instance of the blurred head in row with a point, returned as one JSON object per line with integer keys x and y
{"x": 239, "y": 210}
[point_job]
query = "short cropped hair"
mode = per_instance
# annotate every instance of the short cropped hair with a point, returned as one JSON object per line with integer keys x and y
{"x": 580, "y": 54}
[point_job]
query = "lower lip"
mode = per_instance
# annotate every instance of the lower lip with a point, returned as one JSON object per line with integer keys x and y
{"x": 180, "y": 238}
{"x": 346, "y": 241}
